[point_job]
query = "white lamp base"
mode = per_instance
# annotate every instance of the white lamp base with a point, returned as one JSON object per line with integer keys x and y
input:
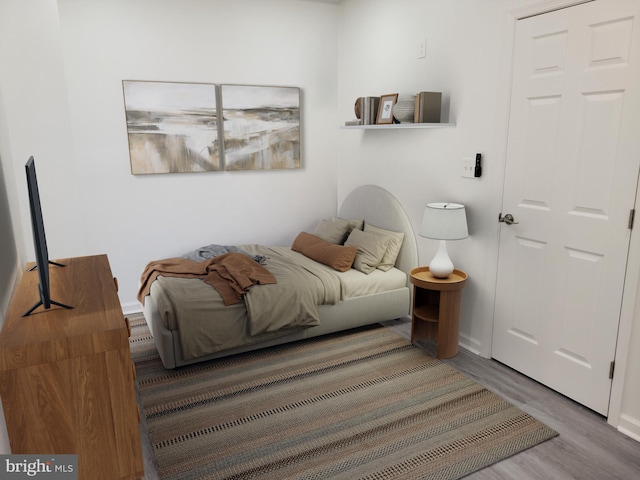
{"x": 441, "y": 266}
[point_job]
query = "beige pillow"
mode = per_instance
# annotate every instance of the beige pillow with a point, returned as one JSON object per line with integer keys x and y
{"x": 359, "y": 224}
{"x": 339, "y": 257}
{"x": 393, "y": 249}
{"x": 371, "y": 249}
{"x": 332, "y": 231}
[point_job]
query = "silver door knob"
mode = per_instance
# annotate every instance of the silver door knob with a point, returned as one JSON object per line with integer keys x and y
{"x": 508, "y": 219}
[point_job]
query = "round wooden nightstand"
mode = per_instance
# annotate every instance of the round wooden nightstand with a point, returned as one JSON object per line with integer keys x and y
{"x": 436, "y": 309}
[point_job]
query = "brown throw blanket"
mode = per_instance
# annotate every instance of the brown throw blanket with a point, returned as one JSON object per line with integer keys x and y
{"x": 230, "y": 274}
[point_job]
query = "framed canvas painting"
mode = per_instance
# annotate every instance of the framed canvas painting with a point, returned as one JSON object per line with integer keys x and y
{"x": 172, "y": 127}
{"x": 261, "y": 127}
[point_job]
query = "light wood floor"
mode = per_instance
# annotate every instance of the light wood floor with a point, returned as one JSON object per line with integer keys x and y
{"x": 587, "y": 447}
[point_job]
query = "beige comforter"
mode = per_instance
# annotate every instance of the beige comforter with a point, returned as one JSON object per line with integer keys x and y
{"x": 206, "y": 325}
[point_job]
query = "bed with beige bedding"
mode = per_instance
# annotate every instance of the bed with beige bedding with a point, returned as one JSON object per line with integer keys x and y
{"x": 351, "y": 271}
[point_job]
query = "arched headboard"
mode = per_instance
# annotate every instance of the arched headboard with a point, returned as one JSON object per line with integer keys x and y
{"x": 380, "y": 208}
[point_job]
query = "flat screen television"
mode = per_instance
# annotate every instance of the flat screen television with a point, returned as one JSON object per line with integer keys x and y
{"x": 39, "y": 242}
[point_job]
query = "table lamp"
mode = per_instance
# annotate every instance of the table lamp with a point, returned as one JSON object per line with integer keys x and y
{"x": 443, "y": 221}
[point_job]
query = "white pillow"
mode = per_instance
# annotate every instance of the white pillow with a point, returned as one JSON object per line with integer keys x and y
{"x": 393, "y": 249}
{"x": 371, "y": 249}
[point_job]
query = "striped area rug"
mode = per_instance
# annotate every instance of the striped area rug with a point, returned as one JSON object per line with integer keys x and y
{"x": 363, "y": 404}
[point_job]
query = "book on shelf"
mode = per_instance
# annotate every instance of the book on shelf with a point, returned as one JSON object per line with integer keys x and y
{"x": 427, "y": 108}
{"x": 367, "y": 109}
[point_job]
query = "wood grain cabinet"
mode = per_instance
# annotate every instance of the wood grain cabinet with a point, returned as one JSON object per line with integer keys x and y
{"x": 436, "y": 309}
{"x": 66, "y": 376}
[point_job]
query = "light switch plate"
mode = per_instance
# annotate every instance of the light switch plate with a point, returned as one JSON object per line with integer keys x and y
{"x": 422, "y": 48}
{"x": 468, "y": 168}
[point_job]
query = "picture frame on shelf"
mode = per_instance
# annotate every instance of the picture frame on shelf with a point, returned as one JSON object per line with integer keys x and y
{"x": 385, "y": 109}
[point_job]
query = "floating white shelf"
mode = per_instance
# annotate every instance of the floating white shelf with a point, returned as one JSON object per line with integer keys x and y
{"x": 394, "y": 126}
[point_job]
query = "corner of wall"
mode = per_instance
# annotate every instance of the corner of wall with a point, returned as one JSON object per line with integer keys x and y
{"x": 629, "y": 426}
{"x": 5, "y": 299}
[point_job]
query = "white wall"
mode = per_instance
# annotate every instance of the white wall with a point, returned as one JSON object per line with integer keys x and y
{"x": 467, "y": 58}
{"x": 61, "y": 67}
{"x": 629, "y": 410}
{"x": 464, "y": 60}
{"x": 63, "y": 102}
{"x": 33, "y": 89}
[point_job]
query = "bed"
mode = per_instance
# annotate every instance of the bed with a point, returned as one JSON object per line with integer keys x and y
{"x": 385, "y": 296}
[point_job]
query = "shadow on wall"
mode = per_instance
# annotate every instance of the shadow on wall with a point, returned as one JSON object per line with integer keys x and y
{"x": 8, "y": 259}
{"x": 8, "y": 251}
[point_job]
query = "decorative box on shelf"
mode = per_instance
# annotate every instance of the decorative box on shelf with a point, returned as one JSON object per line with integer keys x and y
{"x": 428, "y": 107}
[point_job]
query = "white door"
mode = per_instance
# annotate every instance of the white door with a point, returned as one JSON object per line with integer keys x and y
{"x": 573, "y": 156}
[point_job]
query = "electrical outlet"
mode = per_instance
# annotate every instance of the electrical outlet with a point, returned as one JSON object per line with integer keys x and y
{"x": 422, "y": 48}
{"x": 468, "y": 168}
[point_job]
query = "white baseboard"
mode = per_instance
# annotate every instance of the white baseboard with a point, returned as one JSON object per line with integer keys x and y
{"x": 131, "y": 308}
{"x": 629, "y": 426}
{"x": 469, "y": 343}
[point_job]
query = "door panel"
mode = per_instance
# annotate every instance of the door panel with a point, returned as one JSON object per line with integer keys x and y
{"x": 572, "y": 167}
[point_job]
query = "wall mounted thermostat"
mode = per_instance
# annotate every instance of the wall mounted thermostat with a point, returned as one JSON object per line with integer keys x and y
{"x": 478, "y": 168}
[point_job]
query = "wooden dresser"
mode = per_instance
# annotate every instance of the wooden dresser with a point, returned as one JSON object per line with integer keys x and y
{"x": 66, "y": 376}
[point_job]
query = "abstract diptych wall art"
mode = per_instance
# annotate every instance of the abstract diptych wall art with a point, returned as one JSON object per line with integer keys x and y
{"x": 178, "y": 127}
